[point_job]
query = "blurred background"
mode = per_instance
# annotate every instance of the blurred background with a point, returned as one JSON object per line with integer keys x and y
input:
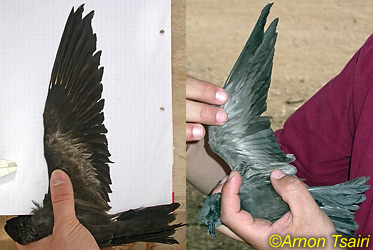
{"x": 315, "y": 40}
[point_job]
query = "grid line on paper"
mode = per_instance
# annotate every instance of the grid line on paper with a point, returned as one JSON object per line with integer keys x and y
{"x": 135, "y": 87}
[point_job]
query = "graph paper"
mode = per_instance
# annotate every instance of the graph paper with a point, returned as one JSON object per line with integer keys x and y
{"x": 135, "y": 39}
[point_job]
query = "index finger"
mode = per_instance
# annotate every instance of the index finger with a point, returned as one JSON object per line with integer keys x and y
{"x": 253, "y": 231}
{"x": 20, "y": 247}
{"x": 230, "y": 212}
{"x": 205, "y": 92}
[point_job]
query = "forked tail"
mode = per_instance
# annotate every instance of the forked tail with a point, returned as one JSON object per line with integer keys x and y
{"x": 341, "y": 201}
{"x": 149, "y": 224}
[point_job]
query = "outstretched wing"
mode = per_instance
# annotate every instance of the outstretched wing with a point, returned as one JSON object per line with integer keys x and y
{"x": 74, "y": 133}
{"x": 247, "y": 137}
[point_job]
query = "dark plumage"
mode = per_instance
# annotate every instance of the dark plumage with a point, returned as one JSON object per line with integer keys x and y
{"x": 247, "y": 143}
{"x": 75, "y": 141}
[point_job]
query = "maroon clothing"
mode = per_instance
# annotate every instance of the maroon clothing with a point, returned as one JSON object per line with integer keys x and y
{"x": 331, "y": 135}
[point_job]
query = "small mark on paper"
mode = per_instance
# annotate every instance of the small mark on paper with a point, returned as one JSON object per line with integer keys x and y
{"x": 7, "y": 167}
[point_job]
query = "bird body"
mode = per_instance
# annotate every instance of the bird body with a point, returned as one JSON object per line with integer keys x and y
{"x": 248, "y": 145}
{"x": 75, "y": 142}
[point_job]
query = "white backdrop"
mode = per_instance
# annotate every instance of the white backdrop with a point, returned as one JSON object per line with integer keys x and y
{"x": 137, "y": 83}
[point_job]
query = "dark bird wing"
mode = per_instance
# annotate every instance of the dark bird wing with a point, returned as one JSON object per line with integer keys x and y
{"x": 74, "y": 133}
{"x": 247, "y": 136}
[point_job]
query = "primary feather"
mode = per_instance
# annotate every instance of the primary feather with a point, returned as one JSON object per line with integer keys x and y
{"x": 247, "y": 143}
{"x": 75, "y": 141}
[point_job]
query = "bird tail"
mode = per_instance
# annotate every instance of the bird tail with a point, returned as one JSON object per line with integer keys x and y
{"x": 149, "y": 224}
{"x": 341, "y": 201}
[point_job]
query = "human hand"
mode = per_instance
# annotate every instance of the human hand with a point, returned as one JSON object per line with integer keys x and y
{"x": 305, "y": 218}
{"x": 200, "y": 96}
{"x": 68, "y": 233}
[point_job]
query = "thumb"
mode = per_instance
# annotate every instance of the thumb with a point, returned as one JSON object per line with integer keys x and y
{"x": 294, "y": 192}
{"x": 62, "y": 195}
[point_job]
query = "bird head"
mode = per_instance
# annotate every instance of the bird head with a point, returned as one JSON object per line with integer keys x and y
{"x": 210, "y": 213}
{"x": 18, "y": 228}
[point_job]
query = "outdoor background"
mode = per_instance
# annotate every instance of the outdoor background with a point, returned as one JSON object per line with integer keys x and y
{"x": 315, "y": 41}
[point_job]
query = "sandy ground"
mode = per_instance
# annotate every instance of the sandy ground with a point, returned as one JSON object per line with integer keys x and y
{"x": 315, "y": 41}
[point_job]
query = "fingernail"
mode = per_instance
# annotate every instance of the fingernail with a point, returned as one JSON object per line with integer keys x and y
{"x": 58, "y": 177}
{"x": 224, "y": 180}
{"x": 197, "y": 132}
{"x": 277, "y": 174}
{"x": 221, "y": 96}
{"x": 230, "y": 175}
{"x": 221, "y": 116}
